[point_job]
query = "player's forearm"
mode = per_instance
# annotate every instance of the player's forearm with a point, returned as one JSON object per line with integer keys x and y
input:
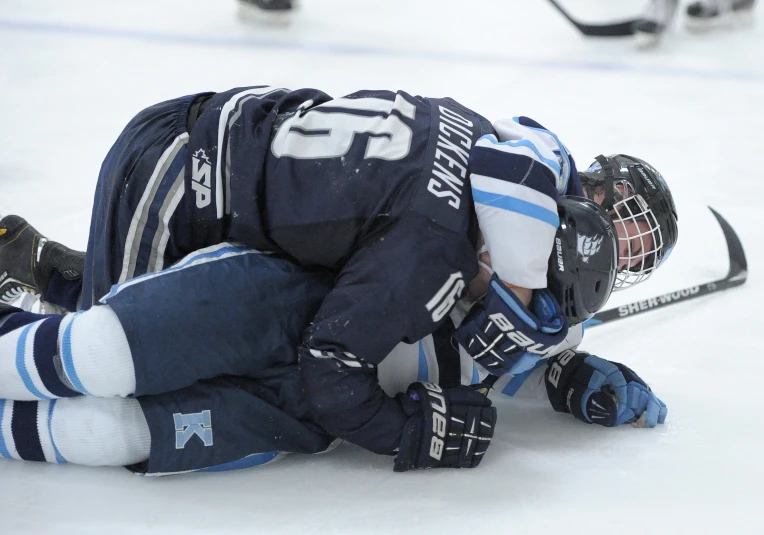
{"x": 349, "y": 403}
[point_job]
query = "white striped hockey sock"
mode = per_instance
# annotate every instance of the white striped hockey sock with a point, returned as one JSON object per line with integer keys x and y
{"x": 48, "y": 357}
{"x": 84, "y": 430}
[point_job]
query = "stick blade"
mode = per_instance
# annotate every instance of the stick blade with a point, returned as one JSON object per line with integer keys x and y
{"x": 738, "y": 271}
{"x": 616, "y": 29}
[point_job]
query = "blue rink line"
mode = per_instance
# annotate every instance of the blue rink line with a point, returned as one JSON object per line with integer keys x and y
{"x": 348, "y": 50}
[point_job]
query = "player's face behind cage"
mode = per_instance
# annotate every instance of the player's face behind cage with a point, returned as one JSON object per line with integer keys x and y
{"x": 639, "y": 240}
{"x": 635, "y": 196}
{"x": 639, "y": 235}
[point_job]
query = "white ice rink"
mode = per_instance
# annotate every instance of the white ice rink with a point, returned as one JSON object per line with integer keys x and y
{"x": 73, "y": 73}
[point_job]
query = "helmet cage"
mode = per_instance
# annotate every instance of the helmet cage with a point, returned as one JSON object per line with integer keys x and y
{"x": 641, "y": 234}
{"x": 630, "y": 190}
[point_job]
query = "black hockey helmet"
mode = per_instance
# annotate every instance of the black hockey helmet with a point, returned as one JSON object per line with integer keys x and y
{"x": 584, "y": 261}
{"x": 640, "y": 203}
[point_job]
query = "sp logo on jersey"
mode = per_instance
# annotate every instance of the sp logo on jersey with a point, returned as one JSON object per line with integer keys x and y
{"x": 201, "y": 178}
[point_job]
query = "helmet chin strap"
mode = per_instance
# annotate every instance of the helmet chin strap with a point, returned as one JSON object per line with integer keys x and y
{"x": 484, "y": 249}
{"x": 608, "y": 185}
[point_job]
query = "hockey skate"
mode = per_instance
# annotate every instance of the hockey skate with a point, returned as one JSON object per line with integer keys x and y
{"x": 28, "y": 260}
{"x": 655, "y": 21}
{"x": 272, "y": 12}
{"x": 706, "y": 15}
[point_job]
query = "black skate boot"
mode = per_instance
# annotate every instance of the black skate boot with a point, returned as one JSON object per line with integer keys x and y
{"x": 266, "y": 11}
{"x": 712, "y": 14}
{"x": 28, "y": 260}
{"x": 655, "y": 21}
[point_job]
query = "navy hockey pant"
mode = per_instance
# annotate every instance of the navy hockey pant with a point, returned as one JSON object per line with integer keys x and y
{"x": 214, "y": 339}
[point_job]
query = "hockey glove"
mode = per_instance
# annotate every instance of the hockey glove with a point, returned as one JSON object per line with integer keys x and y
{"x": 449, "y": 428}
{"x": 598, "y": 391}
{"x": 504, "y": 336}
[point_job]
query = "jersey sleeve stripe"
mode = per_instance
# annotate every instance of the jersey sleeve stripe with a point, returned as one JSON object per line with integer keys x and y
{"x": 528, "y": 147}
{"x": 513, "y": 204}
{"x": 508, "y": 168}
{"x": 562, "y": 152}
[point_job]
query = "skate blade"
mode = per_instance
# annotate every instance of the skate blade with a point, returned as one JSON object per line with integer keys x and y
{"x": 251, "y": 14}
{"x": 646, "y": 41}
{"x": 730, "y": 21}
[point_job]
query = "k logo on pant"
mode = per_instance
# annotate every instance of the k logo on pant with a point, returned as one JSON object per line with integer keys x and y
{"x": 188, "y": 425}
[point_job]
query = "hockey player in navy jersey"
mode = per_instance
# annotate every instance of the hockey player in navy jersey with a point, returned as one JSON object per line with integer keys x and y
{"x": 381, "y": 197}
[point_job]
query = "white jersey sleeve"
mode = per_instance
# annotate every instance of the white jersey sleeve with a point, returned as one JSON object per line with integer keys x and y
{"x": 516, "y": 177}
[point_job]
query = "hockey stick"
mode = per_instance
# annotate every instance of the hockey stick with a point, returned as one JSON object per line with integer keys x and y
{"x": 737, "y": 275}
{"x": 615, "y": 29}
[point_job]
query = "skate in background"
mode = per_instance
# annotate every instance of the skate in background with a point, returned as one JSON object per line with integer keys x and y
{"x": 658, "y": 17}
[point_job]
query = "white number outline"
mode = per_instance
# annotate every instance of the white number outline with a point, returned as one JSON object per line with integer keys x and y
{"x": 330, "y": 133}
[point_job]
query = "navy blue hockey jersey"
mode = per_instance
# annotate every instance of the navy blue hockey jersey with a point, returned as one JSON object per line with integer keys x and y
{"x": 373, "y": 186}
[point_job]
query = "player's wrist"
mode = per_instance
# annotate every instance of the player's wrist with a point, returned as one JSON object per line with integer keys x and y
{"x": 524, "y": 295}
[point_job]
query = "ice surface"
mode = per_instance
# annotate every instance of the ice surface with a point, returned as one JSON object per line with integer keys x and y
{"x": 73, "y": 73}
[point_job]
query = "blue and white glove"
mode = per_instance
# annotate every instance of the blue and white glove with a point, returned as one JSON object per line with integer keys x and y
{"x": 598, "y": 391}
{"x": 504, "y": 336}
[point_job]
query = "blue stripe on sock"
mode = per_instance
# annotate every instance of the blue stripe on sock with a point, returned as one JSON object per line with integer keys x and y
{"x": 3, "y": 448}
{"x": 45, "y": 349}
{"x": 519, "y": 206}
{"x": 59, "y": 458}
{"x": 25, "y": 433}
{"x": 21, "y": 365}
{"x": 424, "y": 371}
{"x": 67, "y": 358}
